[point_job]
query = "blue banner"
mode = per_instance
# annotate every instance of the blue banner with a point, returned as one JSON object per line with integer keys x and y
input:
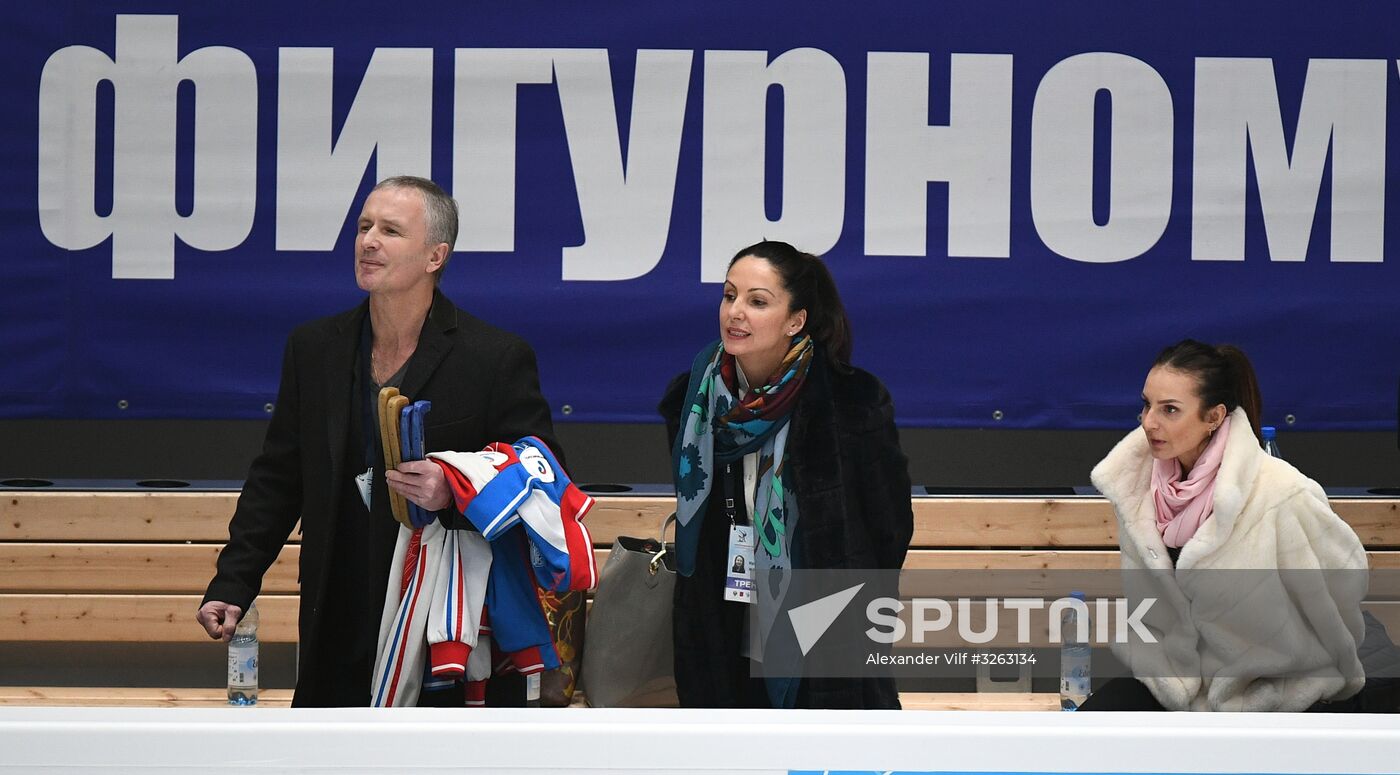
{"x": 1021, "y": 203}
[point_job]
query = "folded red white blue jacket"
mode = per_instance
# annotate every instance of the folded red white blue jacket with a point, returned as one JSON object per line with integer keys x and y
{"x": 436, "y": 595}
{"x": 453, "y": 583}
{"x": 526, "y": 486}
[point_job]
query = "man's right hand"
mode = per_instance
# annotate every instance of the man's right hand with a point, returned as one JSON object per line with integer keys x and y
{"x": 219, "y": 619}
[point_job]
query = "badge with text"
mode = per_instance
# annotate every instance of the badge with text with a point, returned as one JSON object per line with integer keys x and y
{"x": 738, "y": 573}
{"x": 363, "y": 483}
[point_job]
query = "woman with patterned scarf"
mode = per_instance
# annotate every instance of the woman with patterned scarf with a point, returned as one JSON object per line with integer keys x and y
{"x": 785, "y": 457}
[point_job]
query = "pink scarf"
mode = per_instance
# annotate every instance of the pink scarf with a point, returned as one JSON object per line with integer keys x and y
{"x": 1183, "y": 506}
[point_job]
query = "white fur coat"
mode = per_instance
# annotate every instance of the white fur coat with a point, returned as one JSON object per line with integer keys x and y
{"x": 1247, "y": 620}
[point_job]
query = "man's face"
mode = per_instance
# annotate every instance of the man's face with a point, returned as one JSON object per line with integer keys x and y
{"x": 392, "y": 253}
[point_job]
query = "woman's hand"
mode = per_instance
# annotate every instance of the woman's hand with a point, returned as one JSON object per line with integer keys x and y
{"x": 422, "y": 482}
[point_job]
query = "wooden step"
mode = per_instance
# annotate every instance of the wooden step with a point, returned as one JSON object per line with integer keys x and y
{"x": 134, "y": 697}
{"x": 141, "y": 697}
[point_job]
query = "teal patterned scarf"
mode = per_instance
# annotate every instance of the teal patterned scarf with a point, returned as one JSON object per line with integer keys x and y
{"x": 718, "y": 428}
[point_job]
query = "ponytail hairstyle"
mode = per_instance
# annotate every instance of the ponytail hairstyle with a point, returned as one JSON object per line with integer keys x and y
{"x": 1223, "y": 375}
{"x": 810, "y": 287}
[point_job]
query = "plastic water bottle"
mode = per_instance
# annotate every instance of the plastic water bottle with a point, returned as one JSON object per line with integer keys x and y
{"x": 1270, "y": 443}
{"x": 1074, "y": 658}
{"x": 243, "y": 661}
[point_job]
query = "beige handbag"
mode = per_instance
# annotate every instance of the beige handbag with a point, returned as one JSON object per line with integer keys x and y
{"x": 629, "y": 659}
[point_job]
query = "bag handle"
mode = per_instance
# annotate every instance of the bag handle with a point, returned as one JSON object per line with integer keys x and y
{"x": 655, "y": 564}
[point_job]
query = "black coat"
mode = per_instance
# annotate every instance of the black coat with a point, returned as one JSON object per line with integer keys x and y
{"x": 484, "y": 387}
{"x": 853, "y": 495}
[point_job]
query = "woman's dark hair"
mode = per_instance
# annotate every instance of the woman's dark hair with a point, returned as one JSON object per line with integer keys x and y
{"x": 809, "y": 284}
{"x": 1223, "y": 375}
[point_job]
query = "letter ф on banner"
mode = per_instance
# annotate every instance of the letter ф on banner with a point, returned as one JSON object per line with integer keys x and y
{"x": 145, "y": 75}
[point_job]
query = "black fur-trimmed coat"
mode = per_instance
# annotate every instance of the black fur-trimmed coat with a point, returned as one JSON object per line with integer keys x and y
{"x": 853, "y": 495}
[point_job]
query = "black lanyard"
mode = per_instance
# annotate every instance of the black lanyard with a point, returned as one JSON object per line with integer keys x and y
{"x": 369, "y": 404}
{"x": 730, "y": 509}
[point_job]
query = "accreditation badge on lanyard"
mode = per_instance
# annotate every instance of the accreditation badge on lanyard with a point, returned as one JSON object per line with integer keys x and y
{"x": 738, "y": 559}
{"x": 738, "y": 577}
{"x": 738, "y": 572}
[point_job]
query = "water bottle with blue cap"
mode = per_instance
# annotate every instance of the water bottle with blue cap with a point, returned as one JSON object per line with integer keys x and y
{"x": 1270, "y": 440}
{"x": 1074, "y": 655}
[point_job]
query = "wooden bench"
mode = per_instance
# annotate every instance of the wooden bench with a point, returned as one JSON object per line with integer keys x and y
{"x": 130, "y": 567}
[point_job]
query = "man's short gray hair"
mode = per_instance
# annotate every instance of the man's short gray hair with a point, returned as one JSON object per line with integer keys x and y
{"x": 439, "y": 208}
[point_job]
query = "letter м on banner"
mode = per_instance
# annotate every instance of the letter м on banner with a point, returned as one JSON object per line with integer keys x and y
{"x": 145, "y": 76}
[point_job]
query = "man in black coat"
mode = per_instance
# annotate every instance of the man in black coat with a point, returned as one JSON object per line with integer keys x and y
{"x": 483, "y": 385}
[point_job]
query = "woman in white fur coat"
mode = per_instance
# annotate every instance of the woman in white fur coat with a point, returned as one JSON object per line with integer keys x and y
{"x": 1257, "y": 583}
